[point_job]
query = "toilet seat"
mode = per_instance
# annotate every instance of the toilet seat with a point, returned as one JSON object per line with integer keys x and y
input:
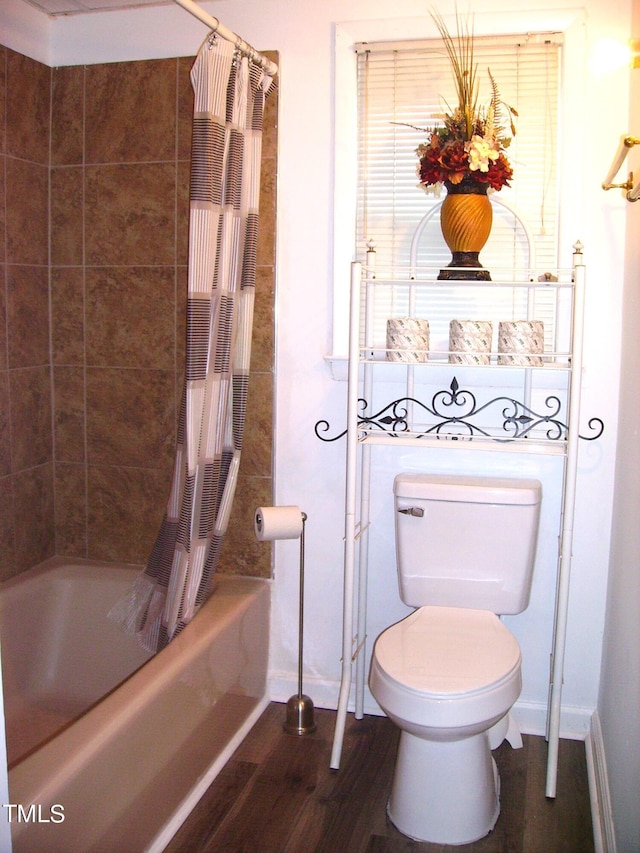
{"x": 448, "y": 651}
{"x": 446, "y": 666}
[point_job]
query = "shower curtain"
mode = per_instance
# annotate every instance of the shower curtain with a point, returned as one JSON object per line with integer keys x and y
{"x": 229, "y": 95}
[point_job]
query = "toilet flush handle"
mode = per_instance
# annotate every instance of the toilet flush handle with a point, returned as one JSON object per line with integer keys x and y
{"x": 417, "y": 511}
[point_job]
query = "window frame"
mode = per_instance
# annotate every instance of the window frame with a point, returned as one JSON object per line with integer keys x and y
{"x": 571, "y": 23}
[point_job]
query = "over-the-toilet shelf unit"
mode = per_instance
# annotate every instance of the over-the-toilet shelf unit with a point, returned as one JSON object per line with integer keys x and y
{"x": 543, "y": 419}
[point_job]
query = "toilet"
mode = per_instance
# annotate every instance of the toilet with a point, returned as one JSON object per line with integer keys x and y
{"x": 449, "y": 673}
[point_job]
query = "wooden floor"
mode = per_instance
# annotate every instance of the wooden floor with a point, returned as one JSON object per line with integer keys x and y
{"x": 278, "y": 795}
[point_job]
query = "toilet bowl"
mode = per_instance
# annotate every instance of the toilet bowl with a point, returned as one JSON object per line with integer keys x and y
{"x": 449, "y": 673}
{"x": 446, "y": 676}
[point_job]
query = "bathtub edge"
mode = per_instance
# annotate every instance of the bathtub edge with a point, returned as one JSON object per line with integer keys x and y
{"x": 183, "y": 811}
{"x": 88, "y": 741}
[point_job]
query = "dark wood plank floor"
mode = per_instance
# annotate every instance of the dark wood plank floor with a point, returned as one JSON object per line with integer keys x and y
{"x": 278, "y": 795}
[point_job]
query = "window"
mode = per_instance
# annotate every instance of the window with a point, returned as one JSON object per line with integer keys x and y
{"x": 403, "y": 86}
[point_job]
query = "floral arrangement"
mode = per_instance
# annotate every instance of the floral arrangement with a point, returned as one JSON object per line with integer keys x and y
{"x": 470, "y": 144}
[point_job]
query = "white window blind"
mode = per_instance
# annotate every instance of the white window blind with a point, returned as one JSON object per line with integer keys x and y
{"x": 405, "y": 85}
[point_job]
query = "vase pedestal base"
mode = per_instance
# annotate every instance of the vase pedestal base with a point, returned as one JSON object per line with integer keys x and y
{"x": 464, "y": 266}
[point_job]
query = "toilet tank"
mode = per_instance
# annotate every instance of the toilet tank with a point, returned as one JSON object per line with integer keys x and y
{"x": 466, "y": 541}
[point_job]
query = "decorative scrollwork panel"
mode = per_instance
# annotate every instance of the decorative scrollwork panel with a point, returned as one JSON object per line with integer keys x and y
{"x": 456, "y": 413}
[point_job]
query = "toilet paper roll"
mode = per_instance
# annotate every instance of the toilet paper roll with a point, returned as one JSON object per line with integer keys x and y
{"x": 407, "y": 340}
{"x": 277, "y": 522}
{"x": 470, "y": 341}
{"x": 519, "y": 340}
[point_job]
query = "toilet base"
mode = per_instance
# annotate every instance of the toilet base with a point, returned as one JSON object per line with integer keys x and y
{"x": 505, "y": 729}
{"x": 444, "y": 792}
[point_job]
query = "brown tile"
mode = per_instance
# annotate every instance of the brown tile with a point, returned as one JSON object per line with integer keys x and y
{"x": 257, "y": 443}
{"x": 267, "y": 213}
{"x": 28, "y": 104}
{"x": 185, "y": 107}
{"x": 130, "y": 214}
{"x": 71, "y": 510}
{"x": 67, "y": 129}
{"x": 130, "y": 417}
{"x": 182, "y": 210}
{"x": 67, "y": 312}
{"x": 27, "y": 316}
{"x": 242, "y": 554}
{"x": 131, "y": 111}
{"x": 270, "y": 125}
{"x": 67, "y": 216}
{"x": 273, "y": 55}
{"x": 262, "y": 341}
{"x": 3, "y": 98}
{"x": 181, "y": 320}
{"x": 8, "y": 566}
{"x": 69, "y": 414}
{"x": 27, "y": 192}
{"x": 3, "y": 304}
{"x": 34, "y": 523}
{"x": 5, "y": 426}
{"x": 3, "y": 211}
{"x": 30, "y": 395}
{"x": 126, "y": 506}
{"x": 131, "y": 317}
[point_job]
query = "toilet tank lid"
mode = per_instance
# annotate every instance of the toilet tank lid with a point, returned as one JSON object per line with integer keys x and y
{"x": 491, "y": 490}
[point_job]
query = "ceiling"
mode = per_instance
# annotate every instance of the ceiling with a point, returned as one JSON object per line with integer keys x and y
{"x": 75, "y": 7}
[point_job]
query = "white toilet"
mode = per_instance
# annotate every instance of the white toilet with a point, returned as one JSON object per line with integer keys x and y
{"x": 449, "y": 673}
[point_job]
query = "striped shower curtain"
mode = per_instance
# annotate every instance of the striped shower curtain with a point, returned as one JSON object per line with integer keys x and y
{"x": 225, "y": 180}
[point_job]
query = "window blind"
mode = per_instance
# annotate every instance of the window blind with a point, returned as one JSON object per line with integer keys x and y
{"x": 402, "y": 87}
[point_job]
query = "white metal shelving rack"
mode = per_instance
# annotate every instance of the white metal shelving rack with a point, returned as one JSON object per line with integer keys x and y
{"x": 524, "y": 434}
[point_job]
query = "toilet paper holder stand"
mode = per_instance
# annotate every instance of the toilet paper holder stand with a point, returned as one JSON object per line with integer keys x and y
{"x": 300, "y": 717}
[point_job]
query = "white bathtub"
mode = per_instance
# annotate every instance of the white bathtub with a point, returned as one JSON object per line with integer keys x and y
{"x": 103, "y": 760}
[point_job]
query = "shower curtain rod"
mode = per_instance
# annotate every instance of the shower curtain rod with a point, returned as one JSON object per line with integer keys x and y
{"x": 218, "y": 28}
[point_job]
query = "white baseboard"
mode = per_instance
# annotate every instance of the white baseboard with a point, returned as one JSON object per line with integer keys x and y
{"x": 531, "y": 717}
{"x": 601, "y": 814}
{"x": 323, "y": 693}
{"x": 532, "y": 720}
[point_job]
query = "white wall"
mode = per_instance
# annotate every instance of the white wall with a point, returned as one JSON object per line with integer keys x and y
{"x": 25, "y": 30}
{"x": 310, "y": 473}
{"x": 619, "y": 701}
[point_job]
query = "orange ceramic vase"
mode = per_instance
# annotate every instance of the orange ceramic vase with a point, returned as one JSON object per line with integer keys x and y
{"x": 466, "y": 216}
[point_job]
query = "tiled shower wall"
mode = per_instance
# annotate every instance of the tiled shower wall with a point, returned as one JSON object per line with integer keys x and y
{"x": 94, "y": 176}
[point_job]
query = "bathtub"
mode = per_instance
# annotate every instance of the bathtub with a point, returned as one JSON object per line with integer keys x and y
{"x": 109, "y": 750}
